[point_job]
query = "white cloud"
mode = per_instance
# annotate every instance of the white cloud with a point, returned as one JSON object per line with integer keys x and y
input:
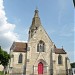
{"x": 7, "y": 36}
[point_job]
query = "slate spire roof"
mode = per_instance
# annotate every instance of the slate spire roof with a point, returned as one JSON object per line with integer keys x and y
{"x": 36, "y": 20}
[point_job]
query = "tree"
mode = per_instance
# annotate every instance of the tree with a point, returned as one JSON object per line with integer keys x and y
{"x": 4, "y": 57}
{"x": 1, "y": 55}
{"x": 73, "y": 65}
{"x": 74, "y": 2}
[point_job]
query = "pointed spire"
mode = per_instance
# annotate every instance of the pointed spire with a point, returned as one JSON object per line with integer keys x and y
{"x": 36, "y": 12}
{"x": 36, "y": 20}
{"x": 35, "y": 24}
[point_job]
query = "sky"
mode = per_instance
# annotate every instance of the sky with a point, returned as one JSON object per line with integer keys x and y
{"x": 57, "y": 18}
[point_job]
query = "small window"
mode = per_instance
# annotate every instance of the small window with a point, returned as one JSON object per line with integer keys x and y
{"x": 59, "y": 59}
{"x": 36, "y": 27}
{"x": 41, "y": 46}
{"x": 20, "y": 58}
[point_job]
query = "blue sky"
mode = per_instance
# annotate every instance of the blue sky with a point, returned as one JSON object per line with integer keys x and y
{"x": 57, "y": 17}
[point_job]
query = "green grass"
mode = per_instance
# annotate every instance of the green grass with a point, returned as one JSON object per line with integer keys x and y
{"x": 1, "y": 73}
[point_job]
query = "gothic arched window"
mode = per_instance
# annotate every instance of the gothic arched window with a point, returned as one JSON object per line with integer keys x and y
{"x": 20, "y": 58}
{"x": 59, "y": 59}
{"x": 41, "y": 46}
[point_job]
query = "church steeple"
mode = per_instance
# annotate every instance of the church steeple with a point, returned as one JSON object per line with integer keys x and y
{"x": 35, "y": 24}
{"x": 36, "y": 13}
{"x": 36, "y": 20}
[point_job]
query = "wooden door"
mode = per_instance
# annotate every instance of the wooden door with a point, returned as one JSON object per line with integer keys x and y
{"x": 40, "y": 68}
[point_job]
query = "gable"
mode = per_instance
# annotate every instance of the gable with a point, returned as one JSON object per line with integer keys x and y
{"x": 41, "y": 34}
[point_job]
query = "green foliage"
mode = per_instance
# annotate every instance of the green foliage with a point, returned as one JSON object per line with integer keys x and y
{"x": 4, "y": 57}
{"x": 74, "y": 2}
{"x": 73, "y": 65}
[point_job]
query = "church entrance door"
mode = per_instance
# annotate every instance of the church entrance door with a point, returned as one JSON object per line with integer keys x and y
{"x": 40, "y": 68}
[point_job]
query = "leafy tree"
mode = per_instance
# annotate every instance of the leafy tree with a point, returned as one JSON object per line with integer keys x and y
{"x": 74, "y": 2}
{"x": 73, "y": 65}
{"x": 1, "y": 55}
{"x": 4, "y": 57}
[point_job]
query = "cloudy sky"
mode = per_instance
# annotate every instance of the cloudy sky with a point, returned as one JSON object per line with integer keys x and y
{"x": 57, "y": 17}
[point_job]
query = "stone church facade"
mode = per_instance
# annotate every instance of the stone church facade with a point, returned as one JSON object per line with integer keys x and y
{"x": 39, "y": 56}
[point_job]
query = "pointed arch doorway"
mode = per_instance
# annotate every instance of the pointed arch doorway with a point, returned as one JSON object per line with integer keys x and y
{"x": 40, "y": 68}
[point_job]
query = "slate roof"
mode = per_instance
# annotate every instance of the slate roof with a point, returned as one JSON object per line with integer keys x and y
{"x": 59, "y": 50}
{"x": 19, "y": 47}
{"x": 22, "y": 47}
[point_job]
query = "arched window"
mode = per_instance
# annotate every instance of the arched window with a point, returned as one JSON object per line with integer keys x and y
{"x": 20, "y": 58}
{"x": 41, "y": 46}
{"x": 59, "y": 59}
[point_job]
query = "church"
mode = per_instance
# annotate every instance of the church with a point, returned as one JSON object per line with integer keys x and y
{"x": 38, "y": 56}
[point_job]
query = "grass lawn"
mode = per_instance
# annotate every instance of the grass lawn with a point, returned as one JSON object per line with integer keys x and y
{"x": 1, "y": 73}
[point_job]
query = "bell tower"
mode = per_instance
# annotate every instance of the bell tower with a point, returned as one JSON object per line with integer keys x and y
{"x": 35, "y": 24}
{"x": 39, "y": 48}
